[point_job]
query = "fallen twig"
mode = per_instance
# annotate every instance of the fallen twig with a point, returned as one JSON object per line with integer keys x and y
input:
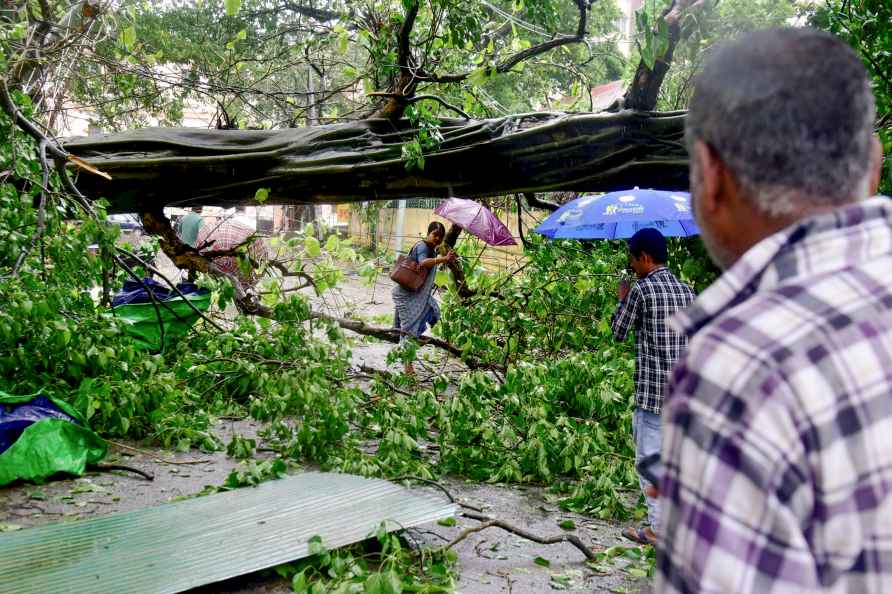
{"x": 106, "y": 467}
{"x": 155, "y": 456}
{"x": 488, "y": 522}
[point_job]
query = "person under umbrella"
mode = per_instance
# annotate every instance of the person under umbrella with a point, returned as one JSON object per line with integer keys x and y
{"x": 217, "y": 235}
{"x": 415, "y": 310}
{"x": 646, "y": 307}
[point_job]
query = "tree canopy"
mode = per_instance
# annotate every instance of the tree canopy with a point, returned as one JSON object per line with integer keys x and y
{"x": 865, "y": 24}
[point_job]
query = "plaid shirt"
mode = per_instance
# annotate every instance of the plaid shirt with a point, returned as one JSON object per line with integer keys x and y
{"x": 778, "y": 427}
{"x": 649, "y": 304}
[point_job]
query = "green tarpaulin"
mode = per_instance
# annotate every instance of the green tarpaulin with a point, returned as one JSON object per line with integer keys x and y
{"x": 49, "y": 445}
{"x": 141, "y": 319}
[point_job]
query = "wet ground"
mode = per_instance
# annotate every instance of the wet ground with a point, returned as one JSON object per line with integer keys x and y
{"x": 490, "y": 561}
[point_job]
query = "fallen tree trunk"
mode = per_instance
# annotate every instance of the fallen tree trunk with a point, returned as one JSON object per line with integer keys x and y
{"x": 356, "y": 161}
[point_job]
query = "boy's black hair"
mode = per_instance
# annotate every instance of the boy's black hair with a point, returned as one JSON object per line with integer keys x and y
{"x": 436, "y": 225}
{"x": 651, "y": 242}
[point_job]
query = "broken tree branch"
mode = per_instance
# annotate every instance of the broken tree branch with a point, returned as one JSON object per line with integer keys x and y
{"x": 417, "y": 98}
{"x": 488, "y": 522}
{"x": 394, "y": 334}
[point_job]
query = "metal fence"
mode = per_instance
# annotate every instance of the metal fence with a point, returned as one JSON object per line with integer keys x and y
{"x": 426, "y": 203}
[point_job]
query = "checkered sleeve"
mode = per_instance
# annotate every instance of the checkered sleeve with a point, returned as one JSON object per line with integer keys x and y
{"x": 627, "y": 314}
{"x": 733, "y": 491}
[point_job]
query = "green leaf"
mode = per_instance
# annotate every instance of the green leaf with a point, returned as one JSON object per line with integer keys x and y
{"x": 261, "y": 195}
{"x": 128, "y": 37}
{"x": 232, "y": 7}
{"x": 567, "y": 525}
{"x": 242, "y": 35}
{"x": 662, "y": 39}
{"x": 479, "y": 76}
{"x": 299, "y": 583}
{"x": 312, "y": 247}
{"x": 19, "y": 31}
{"x": 315, "y": 546}
{"x": 542, "y": 561}
{"x": 448, "y": 522}
{"x": 332, "y": 243}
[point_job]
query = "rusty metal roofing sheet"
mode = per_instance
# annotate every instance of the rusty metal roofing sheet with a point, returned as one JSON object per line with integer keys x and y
{"x": 178, "y": 546}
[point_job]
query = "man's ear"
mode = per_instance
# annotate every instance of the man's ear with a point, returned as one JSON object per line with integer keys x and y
{"x": 876, "y": 165}
{"x": 710, "y": 169}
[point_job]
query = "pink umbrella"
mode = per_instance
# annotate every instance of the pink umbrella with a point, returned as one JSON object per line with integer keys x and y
{"x": 477, "y": 220}
{"x": 225, "y": 235}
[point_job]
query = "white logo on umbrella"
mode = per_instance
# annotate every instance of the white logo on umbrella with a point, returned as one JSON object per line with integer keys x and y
{"x": 627, "y": 199}
{"x": 573, "y": 213}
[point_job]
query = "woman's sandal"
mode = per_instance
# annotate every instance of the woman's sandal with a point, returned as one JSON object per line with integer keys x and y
{"x": 638, "y": 535}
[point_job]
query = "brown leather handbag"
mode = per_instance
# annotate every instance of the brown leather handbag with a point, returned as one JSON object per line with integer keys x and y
{"x": 408, "y": 273}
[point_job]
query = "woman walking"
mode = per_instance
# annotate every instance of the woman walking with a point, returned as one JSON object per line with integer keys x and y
{"x": 415, "y": 310}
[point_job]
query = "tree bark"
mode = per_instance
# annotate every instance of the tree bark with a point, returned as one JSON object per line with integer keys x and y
{"x": 645, "y": 88}
{"x": 358, "y": 161}
{"x": 455, "y": 267}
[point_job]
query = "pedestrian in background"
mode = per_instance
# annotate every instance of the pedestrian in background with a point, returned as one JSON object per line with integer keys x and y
{"x": 646, "y": 307}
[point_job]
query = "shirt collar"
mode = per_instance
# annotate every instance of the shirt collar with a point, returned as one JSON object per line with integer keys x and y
{"x": 815, "y": 245}
{"x": 654, "y": 271}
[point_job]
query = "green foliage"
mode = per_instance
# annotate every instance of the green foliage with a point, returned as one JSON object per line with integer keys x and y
{"x": 255, "y": 473}
{"x": 638, "y": 562}
{"x": 384, "y": 565}
{"x": 561, "y": 304}
{"x": 655, "y": 34}
{"x": 265, "y": 64}
{"x": 709, "y": 25}
{"x": 864, "y": 24}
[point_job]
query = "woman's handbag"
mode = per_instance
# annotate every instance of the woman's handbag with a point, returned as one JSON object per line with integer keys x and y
{"x": 408, "y": 273}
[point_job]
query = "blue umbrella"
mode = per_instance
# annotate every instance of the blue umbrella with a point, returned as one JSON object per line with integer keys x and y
{"x": 621, "y": 214}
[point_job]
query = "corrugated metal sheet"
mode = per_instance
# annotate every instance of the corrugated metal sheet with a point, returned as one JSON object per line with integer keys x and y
{"x": 177, "y": 546}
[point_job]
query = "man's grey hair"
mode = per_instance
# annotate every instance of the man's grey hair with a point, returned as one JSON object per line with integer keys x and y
{"x": 791, "y": 114}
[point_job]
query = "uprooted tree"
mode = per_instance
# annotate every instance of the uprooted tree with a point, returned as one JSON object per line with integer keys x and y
{"x": 401, "y": 145}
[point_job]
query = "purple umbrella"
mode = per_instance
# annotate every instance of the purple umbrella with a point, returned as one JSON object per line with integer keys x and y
{"x": 477, "y": 220}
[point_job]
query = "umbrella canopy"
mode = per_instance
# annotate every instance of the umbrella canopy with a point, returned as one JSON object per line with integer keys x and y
{"x": 213, "y": 237}
{"x": 621, "y": 214}
{"x": 477, "y": 220}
